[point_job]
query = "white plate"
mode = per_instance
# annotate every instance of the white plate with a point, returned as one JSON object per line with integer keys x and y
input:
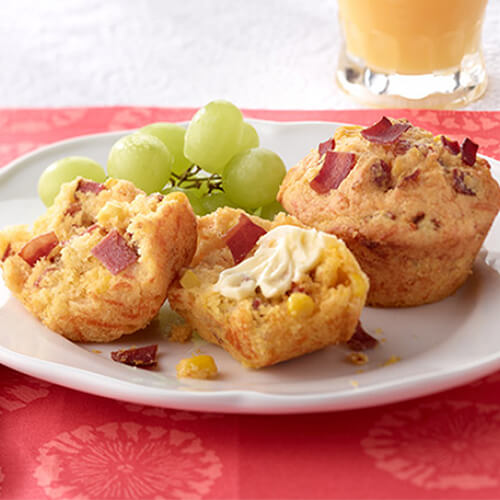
{"x": 440, "y": 345}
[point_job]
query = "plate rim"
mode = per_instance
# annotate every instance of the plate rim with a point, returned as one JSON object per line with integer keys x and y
{"x": 241, "y": 401}
{"x": 254, "y": 402}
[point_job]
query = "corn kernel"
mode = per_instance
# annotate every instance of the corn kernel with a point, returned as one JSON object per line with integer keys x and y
{"x": 300, "y": 305}
{"x": 190, "y": 280}
{"x": 201, "y": 366}
{"x": 113, "y": 214}
{"x": 358, "y": 285}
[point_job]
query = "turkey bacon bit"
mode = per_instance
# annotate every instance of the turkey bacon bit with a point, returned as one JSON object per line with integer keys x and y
{"x": 73, "y": 208}
{"x": 93, "y": 227}
{"x": 452, "y": 146}
{"x": 335, "y": 169}
{"x": 256, "y": 304}
{"x": 381, "y": 174}
{"x": 38, "y": 247}
{"x": 418, "y": 217}
{"x": 401, "y": 147}
{"x": 7, "y": 253}
{"x": 384, "y": 131}
{"x": 114, "y": 253}
{"x": 242, "y": 237}
{"x": 86, "y": 186}
{"x": 136, "y": 356}
{"x": 469, "y": 150}
{"x": 328, "y": 145}
{"x": 459, "y": 183}
{"x": 413, "y": 176}
{"x": 361, "y": 340}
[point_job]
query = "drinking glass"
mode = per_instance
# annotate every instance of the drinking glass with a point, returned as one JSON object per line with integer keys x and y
{"x": 412, "y": 53}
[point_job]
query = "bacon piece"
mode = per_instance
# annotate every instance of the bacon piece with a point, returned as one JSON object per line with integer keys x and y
{"x": 38, "y": 247}
{"x": 73, "y": 208}
{"x": 361, "y": 340}
{"x": 328, "y": 145}
{"x": 418, "y": 217}
{"x": 401, "y": 147}
{"x": 93, "y": 227}
{"x": 469, "y": 150}
{"x": 384, "y": 131}
{"x": 336, "y": 167}
{"x": 452, "y": 146}
{"x": 295, "y": 287}
{"x": 459, "y": 183}
{"x": 381, "y": 174}
{"x": 256, "y": 303}
{"x": 7, "y": 253}
{"x": 242, "y": 237}
{"x": 413, "y": 176}
{"x": 136, "y": 356}
{"x": 114, "y": 253}
{"x": 86, "y": 186}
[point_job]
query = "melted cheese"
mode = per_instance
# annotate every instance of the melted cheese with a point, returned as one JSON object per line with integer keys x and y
{"x": 283, "y": 256}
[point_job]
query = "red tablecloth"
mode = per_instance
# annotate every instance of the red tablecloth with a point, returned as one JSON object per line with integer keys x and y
{"x": 61, "y": 444}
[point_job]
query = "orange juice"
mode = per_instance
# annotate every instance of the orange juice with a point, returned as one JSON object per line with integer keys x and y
{"x": 412, "y": 37}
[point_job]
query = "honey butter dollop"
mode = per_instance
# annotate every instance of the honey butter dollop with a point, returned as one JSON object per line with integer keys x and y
{"x": 283, "y": 256}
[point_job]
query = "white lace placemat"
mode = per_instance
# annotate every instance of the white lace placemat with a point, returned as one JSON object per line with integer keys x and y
{"x": 259, "y": 53}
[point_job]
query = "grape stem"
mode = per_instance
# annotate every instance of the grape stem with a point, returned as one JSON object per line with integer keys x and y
{"x": 191, "y": 180}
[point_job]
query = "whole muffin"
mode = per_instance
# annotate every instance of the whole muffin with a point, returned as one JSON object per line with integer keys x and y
{"x": 269, "y": 291}
{"x": 413, "y": 208}
{"x": 98, "y": 264}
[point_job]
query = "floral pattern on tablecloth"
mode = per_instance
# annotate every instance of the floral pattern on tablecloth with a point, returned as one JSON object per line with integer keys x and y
{"x": 17, "y": 391}
{"x": 176, "y": 416}
{"x": 126, "y": 461}
{"x": 439, "y": 445}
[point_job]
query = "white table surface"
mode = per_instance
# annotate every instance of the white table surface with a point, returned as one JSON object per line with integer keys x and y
{"x": 258, "y": 53}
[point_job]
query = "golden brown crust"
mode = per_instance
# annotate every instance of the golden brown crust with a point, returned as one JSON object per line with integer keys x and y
{"x": 258, "y": 331}
{"x": 71, "y": 291}
{"x": 416, "y": 235}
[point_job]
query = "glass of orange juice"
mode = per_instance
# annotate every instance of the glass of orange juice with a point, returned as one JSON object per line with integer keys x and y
{"x": 412, "y": 53}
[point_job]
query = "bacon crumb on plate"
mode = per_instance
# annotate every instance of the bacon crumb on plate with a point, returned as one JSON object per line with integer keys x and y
{"x": 137, "y": 356}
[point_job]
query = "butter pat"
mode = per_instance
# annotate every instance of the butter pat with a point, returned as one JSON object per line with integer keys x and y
{"x": 283, "y": 256}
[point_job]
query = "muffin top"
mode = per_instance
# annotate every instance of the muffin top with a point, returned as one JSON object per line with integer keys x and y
{"x": 393, "y": 182}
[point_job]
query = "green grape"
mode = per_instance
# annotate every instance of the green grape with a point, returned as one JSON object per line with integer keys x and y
{"x": 193, "y": 197}
{"x": 142, "y": 159}
{"x": 270, "y": 211}
{"x": 172, "y": 136}
{"x": 249, "y": 138}
{"x": 252, "y": 178}
{"x": 215, "y": 200}
{"x": 213, "y": 136}
{"x": 65, "y": 170}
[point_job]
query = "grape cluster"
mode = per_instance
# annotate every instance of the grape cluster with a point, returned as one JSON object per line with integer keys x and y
{"x": 216, "y": 162}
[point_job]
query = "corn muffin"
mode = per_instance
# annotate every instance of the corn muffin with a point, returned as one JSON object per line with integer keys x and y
{"x": 98, "y": 264}
{"x": 269, "y": 291}
{"x": 413, "y": 208}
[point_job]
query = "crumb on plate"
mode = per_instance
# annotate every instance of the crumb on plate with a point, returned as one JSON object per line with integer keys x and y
{"x": 357, "y": 358}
